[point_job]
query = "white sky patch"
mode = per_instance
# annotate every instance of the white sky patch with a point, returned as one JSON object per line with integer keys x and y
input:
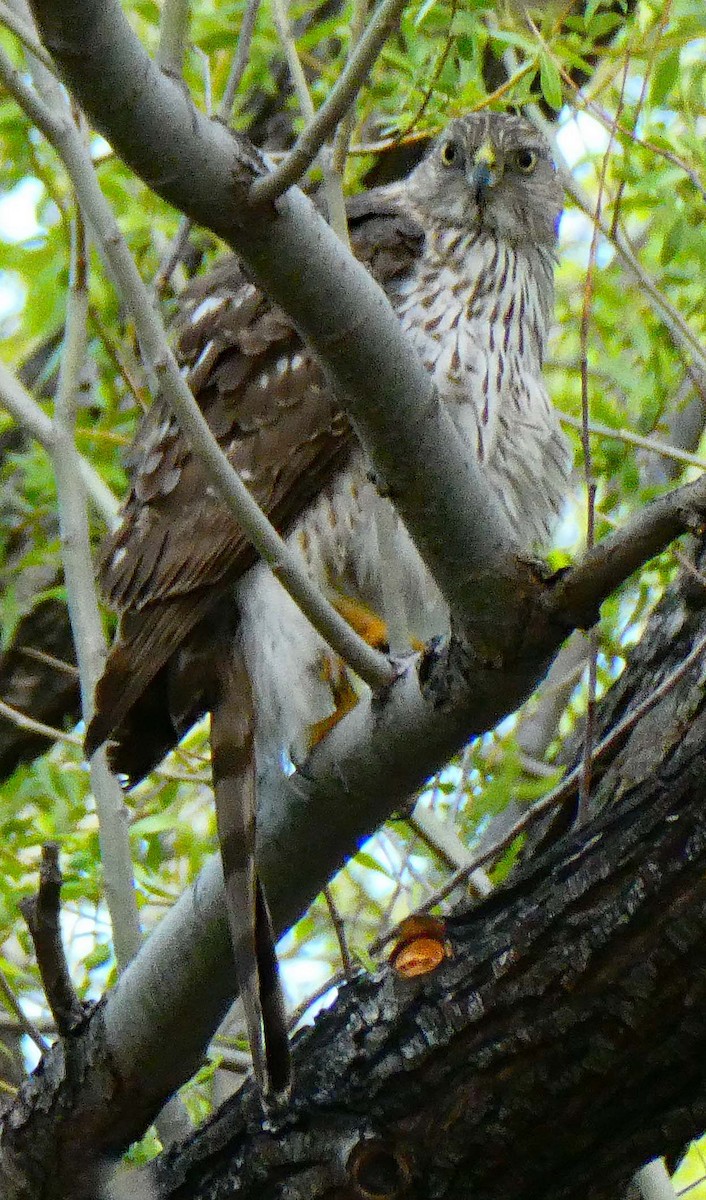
{"x": 18, "y": 211}
{"x": 581, "y": 135}
{"x": 12, "y": 295}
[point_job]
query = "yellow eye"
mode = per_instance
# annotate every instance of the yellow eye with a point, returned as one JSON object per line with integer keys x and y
{"x": 526, "y": 161}
{"x": 449, "y": 154}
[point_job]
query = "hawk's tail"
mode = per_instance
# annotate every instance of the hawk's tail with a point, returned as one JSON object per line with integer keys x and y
{"x": 233, "y": 766}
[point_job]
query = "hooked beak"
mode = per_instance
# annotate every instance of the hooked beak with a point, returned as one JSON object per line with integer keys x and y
{"x": 484, "y": 172}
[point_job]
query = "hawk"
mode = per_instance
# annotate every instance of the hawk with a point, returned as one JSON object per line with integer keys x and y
{"x": 464, "y": 248}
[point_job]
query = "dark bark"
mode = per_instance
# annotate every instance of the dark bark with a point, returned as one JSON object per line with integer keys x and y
{"x": 560, "y": 1046}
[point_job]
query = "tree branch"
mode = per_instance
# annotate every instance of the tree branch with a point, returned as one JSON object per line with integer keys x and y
{"x": 579, "y": 592}
{"x": 28, "y": 414}
{"x": 332, "y": 111}
{"x": 86, "y": 625}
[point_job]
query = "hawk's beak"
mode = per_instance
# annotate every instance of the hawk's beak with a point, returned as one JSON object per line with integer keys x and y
{"x": 484, "y": 171}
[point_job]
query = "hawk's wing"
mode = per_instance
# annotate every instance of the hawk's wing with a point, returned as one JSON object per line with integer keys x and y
{"x": 178, "y": 551}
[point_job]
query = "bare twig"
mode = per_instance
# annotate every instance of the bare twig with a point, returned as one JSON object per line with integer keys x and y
{"x": 240, "y": 59}
{"x": 172, "y": 257}
{"x": 342, "y": 138}
{"x": 577, "y": 594}
{"x": 23, "y": 1021}
{"x": 442, "y": 838}
{"x": 23, "y": 721}
{"x": 635, "y": 439}
{"x": 173, "y": 36}
{"x": 24, "y": 33}
{"x": 42, "y": 914}
{"x": 349, "y": 83}
{"x": 340, "y": 931}
{"x": 83, "y": 609}
{"x": 565, "y": 790}
{"x": 18, "y": 402}
{"x": 589, "y": 731}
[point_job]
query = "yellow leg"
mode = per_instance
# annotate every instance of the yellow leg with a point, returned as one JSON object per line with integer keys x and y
{"x": 373, "y": 630}
{"x": 366, "y": 623}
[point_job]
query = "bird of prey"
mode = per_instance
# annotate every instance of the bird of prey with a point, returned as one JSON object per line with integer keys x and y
{"x": 464, "y": 248}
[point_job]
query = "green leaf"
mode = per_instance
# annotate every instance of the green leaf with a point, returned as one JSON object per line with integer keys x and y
{"x": 550, "y": 82}
{"x": 665, "y": 77}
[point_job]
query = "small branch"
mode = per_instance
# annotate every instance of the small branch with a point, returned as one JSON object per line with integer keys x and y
{"x": 344, "y": 132}
{"x": 578, "y": 593}
{"x": 85, "y": 617}
{"x": 589, "y": 731}
{"x": 240, "y": 60}
{"x": 653, "y": 445}
{"x": 23, "y": 721}
{"x": 173, "y": 36}
{"x": 42, "y": 914}
{"x": 349, "y": 83}
{"x": 340, "y": 931}
{"x": 173, "y": 255}
{"x": 25, "y": 34}
{"x": 560, "y": 794}
{"x": 27, "y": 413}
{"x": 296, "y": 71}
{"x": 441, "y": 837}
{"x": 23, "y": 1022}
{"x": 332, "y": 187}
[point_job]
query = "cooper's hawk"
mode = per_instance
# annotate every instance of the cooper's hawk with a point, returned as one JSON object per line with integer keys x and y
{"x": 464, "y": 249}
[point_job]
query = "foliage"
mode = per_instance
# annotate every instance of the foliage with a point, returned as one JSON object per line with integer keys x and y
{"x": 632, "y": 133}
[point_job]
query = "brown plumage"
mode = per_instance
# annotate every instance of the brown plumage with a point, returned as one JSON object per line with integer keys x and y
{"x": 464, "y": 249}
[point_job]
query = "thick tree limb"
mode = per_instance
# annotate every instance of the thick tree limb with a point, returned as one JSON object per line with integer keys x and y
{"x": 573, "y": 1002}
{"x": 148, "y": 1039}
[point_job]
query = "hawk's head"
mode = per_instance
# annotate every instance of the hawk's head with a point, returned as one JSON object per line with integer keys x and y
{"x": 492, "y": 170}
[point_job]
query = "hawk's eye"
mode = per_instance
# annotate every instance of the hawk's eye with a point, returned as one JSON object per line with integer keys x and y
{"x": 526, "y": 161}
{"x": 450, "y": 154}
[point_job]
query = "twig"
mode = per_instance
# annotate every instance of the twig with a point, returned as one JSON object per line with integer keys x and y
{"x": 344, "y": 132}
{"x": 349, "y": 83}
{"x": 173, "y": 36}
{"x": 635, "y": 439}
{"x": 442, "y": 838}
{"x": 173, "y": 255}
{"x": 340, "y": 931}
{"x": 332, "y": 189}
{"x": 23, "y": 1021}
{"x": 564, "y": 791}
{"x": 577, "y": 594}
{"x": 589, "y": 731}
{"x": 18, "y": 402}
{"x": 25, "y": 34}
{"x": 285, "y": 562}
{"x": 677, "y": 325}
{"x": 49, "y": 660}
{"x": 23, "y": 721}
{"x": 240, "y": 60}
{"x": 42, "y": 914}
{"x": 83, "y": 608}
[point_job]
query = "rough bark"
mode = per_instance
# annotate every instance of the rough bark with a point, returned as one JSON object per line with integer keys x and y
{"x": 560, "y": 1046}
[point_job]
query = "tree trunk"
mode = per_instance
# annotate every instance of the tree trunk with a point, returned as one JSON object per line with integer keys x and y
{"x": 561, "y": 1043}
